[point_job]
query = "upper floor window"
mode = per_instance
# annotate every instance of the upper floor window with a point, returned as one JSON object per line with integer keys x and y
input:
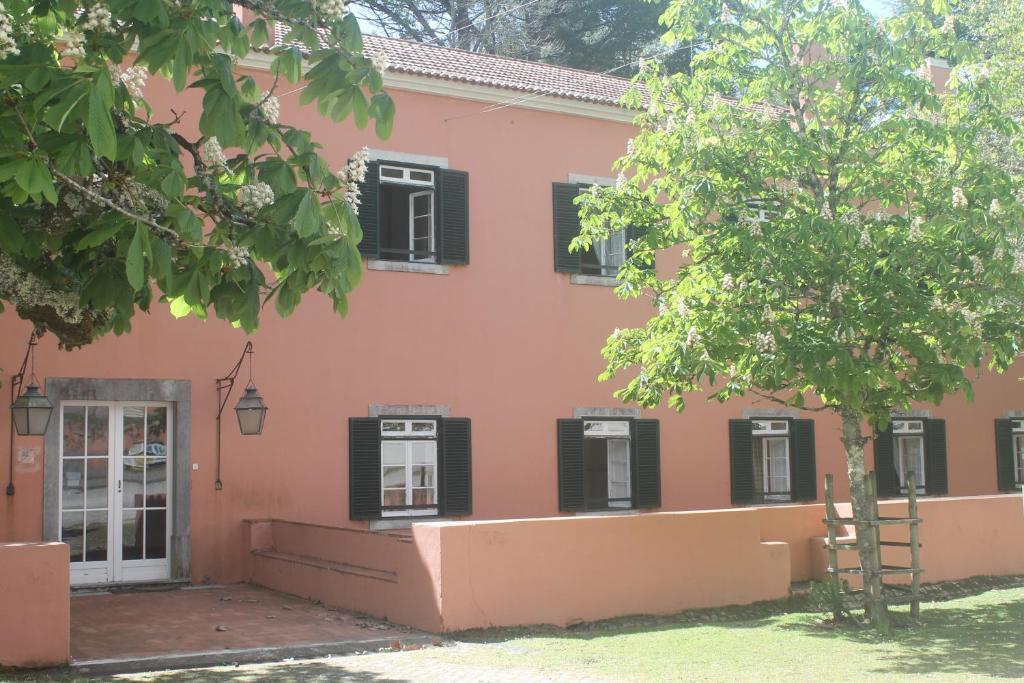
{"x": 605, "y": 256}
{"x": 772, "y": 460}
{"x": 414, "y": 213}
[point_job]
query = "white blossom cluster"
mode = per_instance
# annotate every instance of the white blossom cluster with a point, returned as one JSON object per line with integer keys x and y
{"x": 977, "y": 267}
{"x": 134, "y": 79}
{"x": 352, "y": 175}
{"x": 1018, "y": 194}
{"x": 98, "y": 19}
{"x": 212, "y": 154}
{"x": 852, "y": 217}
{"x": 238, "y": 256}
{"x": 995, "y": 208}
{"x": 865, "y": 239}
{"x": 764, "y": 342}
{"x": 692, "y": 337}
{"x": 949, "y": 25}
{"x": 380, "y": 61}
{"x": 22, "y": 288}
{"x": 915, "y": 233}
{"x": 254, "y": 197}
{"x": 728, "y": 283}
{"x": 837, "y": 292}
{"x": 329, "y": 10}
{"x": 682, "y": 309}
{"x": 768, "y": 314}
{"x": 1018, "y": 260}
{"x": 74, "y": 48}
{"x": 270, "y": 107}
{"x": 7, "y": 45}
{"x": 620, "y": 181}
{"x": 662, "y": 308}
{"x": 959, "y": 198}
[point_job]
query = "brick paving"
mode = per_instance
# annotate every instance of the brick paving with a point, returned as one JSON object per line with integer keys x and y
{"x": 201, "y": 619}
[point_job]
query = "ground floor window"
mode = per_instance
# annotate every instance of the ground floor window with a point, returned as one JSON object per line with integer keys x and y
{"x": 1018, "y": 452}
{"x": 910, "y": 452}
{"x": 606, "y": 470}
{"x": 408, "y": 458}
{"x": 771, "y": 461}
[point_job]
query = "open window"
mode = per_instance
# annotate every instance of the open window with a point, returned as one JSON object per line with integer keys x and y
{"x": 1010, "y": 454}
{"x": 414, "y": 213}
{"x": 908, "y": 438}
{"x": 772, "y": 460}
{"x": 605, "y": 257}
{"x": 608, "y": 464}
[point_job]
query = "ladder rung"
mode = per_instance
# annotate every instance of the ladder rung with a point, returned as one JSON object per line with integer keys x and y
{"x": 880, "y": 520}
{"x": 841, "y": 546}
{"x": 845, "y": 570}
{"x": 898, "y": 544}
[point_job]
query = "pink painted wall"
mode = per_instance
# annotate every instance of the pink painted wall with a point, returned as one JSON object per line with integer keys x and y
{"x": 35, "y": 608}
{"x": 505, "y": 341}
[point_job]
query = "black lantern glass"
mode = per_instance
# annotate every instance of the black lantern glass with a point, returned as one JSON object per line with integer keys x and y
{"x": 251, "y": 411}
{"x": 31, "y": 412}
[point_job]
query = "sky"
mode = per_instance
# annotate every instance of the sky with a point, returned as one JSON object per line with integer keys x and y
{"x": 880, "y": 8}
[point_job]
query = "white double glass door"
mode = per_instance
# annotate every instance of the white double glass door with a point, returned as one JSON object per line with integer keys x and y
{"x": 115, "y": 489}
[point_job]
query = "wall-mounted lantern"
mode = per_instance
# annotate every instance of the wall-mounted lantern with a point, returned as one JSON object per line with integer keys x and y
{"x": 30, "y": 411}
{"x": 250, "y": 409}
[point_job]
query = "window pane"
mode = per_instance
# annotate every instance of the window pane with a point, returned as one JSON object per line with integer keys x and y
{"x": 133, "y": 535}
{"x": 156, "y": 431}
{"x": 156, "y": 482}
{"x": 96, "y": 536}
{"x": 424, "y": 426}
{"x": 777, "y": 465}
{"x": 911, "y": 454}
{"x": 424, "y": 453}
{"x": 99, "y": 436}
{"x": 392, "y": 426}
{"x": 388, "y": 172}
{"x": 133, "y": 482}
{"x": 72, "y": 532}
{"x": 156, "y": 534}
{"x": 423, "y": 475}
{"x": 618, "y": 468}
{"x": 423, "y": 496}
{"x": 425, "y": 176}
{"x": 392, "y": 453}
{"x": 97, "y": 482}
{"x": 393, "y": 477}
{"x": 393, "y": 498}
{"x": 73, "y": 484}
{"x": 1018, "y": 442}
{"x": 421, "y": 205}
{"x": 74, "y": 431}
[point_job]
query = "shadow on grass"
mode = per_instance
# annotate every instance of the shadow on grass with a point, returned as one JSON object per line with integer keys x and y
{"x": 979, "y": 640}
{"x": 278, "y": 672}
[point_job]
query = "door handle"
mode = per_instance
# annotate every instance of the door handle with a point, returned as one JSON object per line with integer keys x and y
{"x": 119, "y": 486}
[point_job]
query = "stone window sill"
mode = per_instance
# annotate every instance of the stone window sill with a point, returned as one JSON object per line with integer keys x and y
{"x": 402, "y": 522}
{"x": 608, "y": 513}
{"x": 407, "y": 267}
{"x": 596, "y": 280}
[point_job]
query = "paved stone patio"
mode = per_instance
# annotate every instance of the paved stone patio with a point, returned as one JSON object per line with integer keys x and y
{"x": 187, "y": 620}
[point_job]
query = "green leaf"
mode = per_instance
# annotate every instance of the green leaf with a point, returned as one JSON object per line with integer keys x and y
{"x": 180, "y": 307}
{"x": 97, "y": 236}
{"x": 308, "y": 219}
{"x": 100, "y": 125}
{"x": 135, "y": 261}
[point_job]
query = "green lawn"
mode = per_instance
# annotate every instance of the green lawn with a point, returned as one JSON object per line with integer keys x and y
{"x": 981, "y": 636}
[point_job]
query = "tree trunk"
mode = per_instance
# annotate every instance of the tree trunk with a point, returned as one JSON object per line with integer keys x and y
{"x": 867, "y": 541}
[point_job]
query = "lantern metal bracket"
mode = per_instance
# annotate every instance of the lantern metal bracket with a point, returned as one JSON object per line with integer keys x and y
{"x": 16, "y": 381}
{"x": 224, "y": 386}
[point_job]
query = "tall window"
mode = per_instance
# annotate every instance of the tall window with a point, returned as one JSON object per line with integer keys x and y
{"x": 909, "y": 442}
{"x": 407, "y": 214}
{"x": 1018, "y": 452}
{"x": 771, "y": 460}
{"x": 606, "y": 464}
{"x": 408, "y": 464}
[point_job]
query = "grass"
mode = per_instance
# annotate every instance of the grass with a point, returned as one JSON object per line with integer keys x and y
{"x": 980, "y": 636}
{"x": 973, "y": 637}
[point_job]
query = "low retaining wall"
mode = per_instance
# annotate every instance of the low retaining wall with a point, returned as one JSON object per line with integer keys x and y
{"x": 960, "y": 537}
{"x": 35, "y": 604}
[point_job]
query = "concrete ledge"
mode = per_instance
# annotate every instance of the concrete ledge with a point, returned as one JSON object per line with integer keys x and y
{"x": 406, "y": 267}
{"x": 582, "y": 412}
{"x": 596, "y": 280}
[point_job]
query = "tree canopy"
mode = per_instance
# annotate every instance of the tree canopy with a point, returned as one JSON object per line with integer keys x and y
{"x": 105, "y": 202}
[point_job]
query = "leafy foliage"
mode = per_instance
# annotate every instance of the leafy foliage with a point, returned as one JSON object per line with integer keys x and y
{"x": 853, "y": 241}
{"x": 101, "y": 198}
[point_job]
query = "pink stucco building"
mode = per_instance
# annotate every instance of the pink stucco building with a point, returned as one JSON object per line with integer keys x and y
{"x": 461, "y": 386}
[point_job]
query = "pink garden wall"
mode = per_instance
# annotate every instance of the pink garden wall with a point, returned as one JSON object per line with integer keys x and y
{"x": 505, "y": 341}
{"x": 35, "y": 608}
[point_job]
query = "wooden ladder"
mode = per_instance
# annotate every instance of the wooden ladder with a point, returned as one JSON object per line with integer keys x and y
{"x": 833, "y": 521}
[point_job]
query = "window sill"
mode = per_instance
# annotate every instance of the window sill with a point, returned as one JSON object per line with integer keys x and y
{"x": 597, "y": 280}
{"x": 608, "y": 513}
{"x": 403, "y": 522}
{"x": 406, "y": 267}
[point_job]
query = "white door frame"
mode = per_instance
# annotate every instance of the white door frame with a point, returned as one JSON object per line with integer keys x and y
{"x": 114, "y": 569}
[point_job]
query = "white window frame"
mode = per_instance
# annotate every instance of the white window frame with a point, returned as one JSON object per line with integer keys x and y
{"x": 771, "y": 431}
{"x": 406, "y": 177}
{"x": 412, "y": 226}
{"x": 910, "y": 431}
{"x": 619, "y": 431}
{"x": 408, "y": 436}
{"x": 1018, "y": 452}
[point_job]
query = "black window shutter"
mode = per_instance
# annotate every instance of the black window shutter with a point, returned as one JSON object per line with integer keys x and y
{"x": 936, "y": 478}
{"x": 454, "y": 233}
{"x": 570, "y": 465}
{"x": 369, "y": 211}
{"x": 741, "y": 460}
{"x": 567, "y": 226}
{"x": 1005, "y": 465}
{"x": 457, "y": 470}
{"x": 886, "y": 478}
{"x": 647, "y": 463}
{"x": 364, "y": 467}
{"x": 804, "y": 468}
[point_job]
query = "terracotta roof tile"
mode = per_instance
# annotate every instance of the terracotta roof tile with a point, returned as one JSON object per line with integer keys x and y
{"x": 409, "y": 57}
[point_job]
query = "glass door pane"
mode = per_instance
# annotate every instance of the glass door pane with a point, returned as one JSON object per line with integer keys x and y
{"x": 85, "y": 489}
{"x": 144, "y": 483}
